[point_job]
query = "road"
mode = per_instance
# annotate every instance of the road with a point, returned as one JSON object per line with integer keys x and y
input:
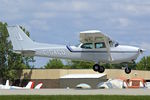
{"x": 77, "y": 92}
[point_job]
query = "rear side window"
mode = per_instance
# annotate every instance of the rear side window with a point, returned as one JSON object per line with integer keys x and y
{"x": 87, "y": 46}
{"x": 100, "y": 45}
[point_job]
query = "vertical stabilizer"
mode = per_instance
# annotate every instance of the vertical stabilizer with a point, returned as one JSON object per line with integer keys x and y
{"x": 19, "y": 39}
{"x": 30, "y": 85}
{"x": 7, "y": 83}
{"x": 39, "y": 85}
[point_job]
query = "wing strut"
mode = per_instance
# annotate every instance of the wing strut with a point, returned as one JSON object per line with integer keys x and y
{"x": 108, "y": 48}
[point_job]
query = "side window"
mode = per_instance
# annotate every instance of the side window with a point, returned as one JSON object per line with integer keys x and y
{"x": 87, "y": 46}
{"x": 100, "y": 45}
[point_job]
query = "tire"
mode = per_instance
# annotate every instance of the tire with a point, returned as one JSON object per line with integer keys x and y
{"x": 96, "y": 67}
{"x": 127, "y": 70}
{"x": 101, "y": 69}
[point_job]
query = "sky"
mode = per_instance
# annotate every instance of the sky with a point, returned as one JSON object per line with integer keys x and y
{"x": 60, "y": 21}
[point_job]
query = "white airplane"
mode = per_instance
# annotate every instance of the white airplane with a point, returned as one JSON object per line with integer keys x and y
{"x": 7, "y": 86}
{"x": 95, "y": 46}
{"x": 30, "y": 85}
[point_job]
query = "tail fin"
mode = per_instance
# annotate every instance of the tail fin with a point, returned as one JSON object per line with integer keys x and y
{"x": 30, "y": 85}
{"x": 39, "y": 85}
{"x": 7, "y": 83}
{"x": 19, "y": 39}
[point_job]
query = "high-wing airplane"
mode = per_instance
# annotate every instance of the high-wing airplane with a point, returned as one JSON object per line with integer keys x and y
{"x": 95, "y": 46}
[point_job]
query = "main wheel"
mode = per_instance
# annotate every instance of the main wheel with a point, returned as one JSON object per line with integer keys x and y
{"x": 127, "y": 70}
{"x": 96, "y": 67}
{"x": 101, "y": 69}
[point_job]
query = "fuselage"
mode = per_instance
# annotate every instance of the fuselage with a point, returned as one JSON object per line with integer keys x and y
{"x": 119, "y": 54}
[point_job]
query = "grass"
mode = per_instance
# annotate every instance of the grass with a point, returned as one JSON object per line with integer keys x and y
{"x": 89, "y": 97}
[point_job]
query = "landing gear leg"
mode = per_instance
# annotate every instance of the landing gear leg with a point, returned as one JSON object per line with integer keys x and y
{"x": 127, "y": 70}
{"x": 98, "y": 68}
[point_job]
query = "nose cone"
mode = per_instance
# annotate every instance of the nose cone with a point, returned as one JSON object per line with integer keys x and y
{"x": 136, "y": 49}
{"x": 141, "y": 50}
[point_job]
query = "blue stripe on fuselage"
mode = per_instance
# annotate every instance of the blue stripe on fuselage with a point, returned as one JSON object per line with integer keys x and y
{"x": 77, "y": 51}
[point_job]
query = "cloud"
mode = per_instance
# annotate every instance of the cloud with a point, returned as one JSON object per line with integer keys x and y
{"x": 44, "y": 15}
{"x": 124, "y": 22}
{"x": 145, "y": 45}
{"x": 134, "y": 8}
{"x": 39, "y": 25}
{"x": 120, "y": 22}
{"x": 66, "y": 6}
{"x": 141, "y": 44}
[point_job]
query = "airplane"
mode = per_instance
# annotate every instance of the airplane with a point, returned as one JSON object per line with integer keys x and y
{"x": 95, "y": 46}
{"x": 6, "y": 86}
{"x": 30, "y": 85}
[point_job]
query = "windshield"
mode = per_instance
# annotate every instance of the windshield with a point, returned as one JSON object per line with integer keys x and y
{"x": 77, "y": 45}
{"x": 113, "y": 43}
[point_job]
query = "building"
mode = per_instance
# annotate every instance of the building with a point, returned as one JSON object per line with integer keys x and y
{"x": 52, "y": 78}
{"x": 72, "y": 80}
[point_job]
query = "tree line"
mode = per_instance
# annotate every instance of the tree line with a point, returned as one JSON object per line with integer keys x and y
{"x": 143, "y": 64}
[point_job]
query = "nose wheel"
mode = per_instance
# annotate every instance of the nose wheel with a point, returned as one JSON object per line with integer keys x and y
{"x": 98, "y": 68}
{"x": 127, "y": 70}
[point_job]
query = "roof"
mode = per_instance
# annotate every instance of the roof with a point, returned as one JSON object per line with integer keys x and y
{"x": 83, "y": 76}
{"x": 137, "y": 79}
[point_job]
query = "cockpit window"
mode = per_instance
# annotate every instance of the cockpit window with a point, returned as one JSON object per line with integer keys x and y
{"x": 113, "y": 44}
{"x": 100, "y": 45}
{"x": 117, "y": 44}
{"x": 87, "y": 46}
{"x": 77, "y": 45}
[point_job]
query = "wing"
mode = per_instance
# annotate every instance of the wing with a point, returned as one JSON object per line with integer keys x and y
{"x": 96, "y": 36}
{"x": 93, "y": 36}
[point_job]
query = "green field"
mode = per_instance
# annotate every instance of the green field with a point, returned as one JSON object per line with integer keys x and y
{"x": 92, "y": 97}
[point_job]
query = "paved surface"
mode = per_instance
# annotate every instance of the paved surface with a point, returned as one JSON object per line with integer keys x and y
{"x": 77, "y": 92}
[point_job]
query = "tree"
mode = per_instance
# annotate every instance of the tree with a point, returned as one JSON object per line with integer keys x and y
{"x": 81, "y": 64}
{"x": 144, "y": 63}
{"x": 88, "y": 65}
{"x": 10, "y": 61}
{"x": 4, "y": 49}
{"x": 54, "y": 64}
